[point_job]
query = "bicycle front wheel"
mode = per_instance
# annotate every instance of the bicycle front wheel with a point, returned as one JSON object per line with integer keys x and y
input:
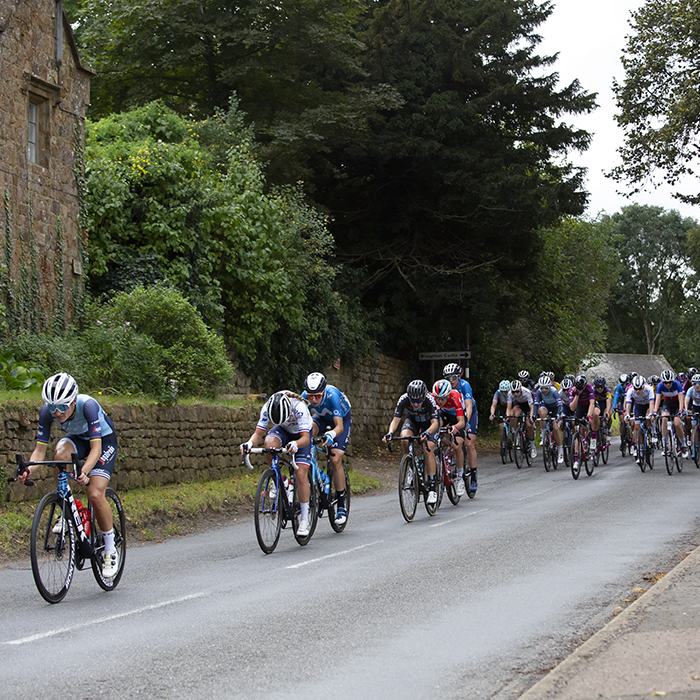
{"x": 408, "y": 488}
{"x": 313, "y": 511}
{"x": 333, "y": 503}
{"x": 546, "y": 450}
{"x": 451, "y": 477}
{"x": 268, "y": 511}
{"x": 98, "y": 545}
{"x": 52, "y": 553}
{"x": 518, "y": 449}
{"x": 576, "y": 456}
{"x": 669, "y": 455}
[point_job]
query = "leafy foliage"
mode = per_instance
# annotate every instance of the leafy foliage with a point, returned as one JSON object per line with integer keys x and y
{"x": 18, "y": 377}
{"x": 659, "y": 98}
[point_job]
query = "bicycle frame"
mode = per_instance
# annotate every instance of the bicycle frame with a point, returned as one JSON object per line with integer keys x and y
{"x": 278, "y": 455}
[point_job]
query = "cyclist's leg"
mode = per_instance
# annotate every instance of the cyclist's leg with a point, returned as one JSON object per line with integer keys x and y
{"x": 341, "y": 444}
{"x": 470, "y": 444}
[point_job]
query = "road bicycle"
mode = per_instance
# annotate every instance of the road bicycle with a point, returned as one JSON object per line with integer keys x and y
{"x": 506, "y": 439}
{"x": 645, "y": 453}
{"x": 581, "y": 448}
{"x": 550, "y": 451}
{"x": 695, "y": 442}
{"x": 413, "y": 480}
{"x": 65, "y": 534}
{"x": 446, "y": 467}
{"x": 325, "y": 485}
{"x": 276, "y": 498}
{"x": 672, "y": 448}
{"x": 521, "y": 443}
{"x": 567, "y": 439}
{"x": 625, "y": 435}
{"x": 602, "y": 450}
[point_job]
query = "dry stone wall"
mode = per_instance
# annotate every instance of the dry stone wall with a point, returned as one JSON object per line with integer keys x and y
{"x": 165, "y": 445}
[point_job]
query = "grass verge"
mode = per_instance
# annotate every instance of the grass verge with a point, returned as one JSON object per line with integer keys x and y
{"x": 157, "y": 512}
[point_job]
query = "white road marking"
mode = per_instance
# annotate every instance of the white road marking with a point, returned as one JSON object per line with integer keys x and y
{"x": 330, "y": 556}
{"x": 99, "y": 621}
{"x": 461, "y": 517}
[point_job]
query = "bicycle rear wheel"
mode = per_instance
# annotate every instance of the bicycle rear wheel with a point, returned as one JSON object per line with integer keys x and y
{"x": 408, "y": 488}
{"x": 518, "y": 449}
{"x": 333, "y": 502}
{"x": 605, "y": 454}
{"x": 546, "y": 450}
{"x": 696, "y": 450}
{"x": 649, "y": 450}
{"x": 268, "y": 511}
{"x": 52, "y": 554}
{"x": 576, "y": 455}
{"x": 313, "y": 510}
{"x": 98, "y": 545}
{"x": 450, "y": 475}
{"x": 669, "y": 452}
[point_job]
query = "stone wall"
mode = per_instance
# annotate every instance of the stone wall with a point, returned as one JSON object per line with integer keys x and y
{"x": 40, "y": 65}
{"x": 164, "y": 445}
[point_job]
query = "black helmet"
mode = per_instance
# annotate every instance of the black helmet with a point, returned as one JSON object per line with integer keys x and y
{"x": 279, "y": 408}
{"x": 452, "y": 369}
{"x": 315, "y": 383}
{"x": 599, "y": 382}
{"x": 580, "y": 382}
{"x": 417, "y": 390}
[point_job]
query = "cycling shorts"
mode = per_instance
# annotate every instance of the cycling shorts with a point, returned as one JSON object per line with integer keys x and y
{"x": 581, "y": 411}
{"x": 417, "y": 428}
{"x": 450, "y": 419}
{"x": 108, "y": 457}
{"x": 671, "y": 406}
{"x": 552, "y": 410}
{"x": 696, "y": 411}
{"x": 303, "y": 455}
{"x": 602, "y": 405}
{"x": 501, "y": 410}
{"x": 640, "y": 409}
{"x": 325, "y": 424}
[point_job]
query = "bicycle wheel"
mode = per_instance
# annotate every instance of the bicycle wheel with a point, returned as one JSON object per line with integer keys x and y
{"x": 432, "y": 508}
{"x": 595, "y": 454}
{"x": 518, "y": 449}
{"x": 52, "y": 554}
{"x": 588, "y": 463}
{"x": 439, "y": 478}
{"x": 268, "y": 511}
{"x": 546, "y": 450}
{"x": 451, "y": 475}
{"x": 333, "y": 502}
{"x": 649, "y": 450}
{"x": 313, "y": 511}
{"x": 510, "y": 448}
{"x": 527, "y": 446}
{"x": 677, "y": 444}
{"x": 669, "y": 455}
{"x": 696, "y": 450}
{"x": 408, "y": 488}
{"x": 576, "y": 455}
{"x": 605, "y": 453}
{"x": 566, "y": 445}
{"x": 98, "y": 545}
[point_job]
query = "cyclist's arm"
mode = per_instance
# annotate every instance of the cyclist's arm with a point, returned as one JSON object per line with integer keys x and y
{"x": 393, "y": 426}
{"x": 90, "y": 460}
{"x": 38, "y": 455}
{"x": 434, "y": 426}
{"x": 255, "y": 439}
{"x": 657, "y": 402}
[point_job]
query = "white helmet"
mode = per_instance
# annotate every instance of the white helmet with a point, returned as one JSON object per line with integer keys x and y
{"x": 279, "y": 408}
{"x": 638, "y": 382}
{"x": 59, "y": 389}
{"x": 545, "y": 381}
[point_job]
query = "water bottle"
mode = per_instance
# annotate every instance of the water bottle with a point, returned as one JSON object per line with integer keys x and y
{"x": 84, "y": 514}
{"x": 324, "y": 480}
{"x": 289, "y": 488}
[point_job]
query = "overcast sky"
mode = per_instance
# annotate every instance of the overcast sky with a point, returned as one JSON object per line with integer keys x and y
{"x": 590, "y": 37}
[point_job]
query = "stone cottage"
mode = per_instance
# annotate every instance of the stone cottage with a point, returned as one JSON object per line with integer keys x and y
{"x": 44, "y": 94}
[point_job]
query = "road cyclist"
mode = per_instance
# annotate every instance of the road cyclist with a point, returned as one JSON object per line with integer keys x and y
{"x": 499, "y": 408}
{"x": 330, "y": 410}
{"x": 692, "y": 408}
{"x": 521, "y": 403}
{"x": 582, "y": 404}
{"x": 603, "y": 410}
{"x": 451, "y": 414}
{"x": 639, "y": 406}
{"x": 91, "y": 435}
{"x": 671, "y": 401}
{"x": 618, "y": 405}
{"x": 285, "y": 422}
{"x": 421, "y": 421}
{"x": 547, "y": 403}
{"x": 453, "y": 373}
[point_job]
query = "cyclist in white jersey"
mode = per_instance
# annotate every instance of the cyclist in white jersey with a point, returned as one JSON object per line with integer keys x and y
{"x": 640, "y": 396}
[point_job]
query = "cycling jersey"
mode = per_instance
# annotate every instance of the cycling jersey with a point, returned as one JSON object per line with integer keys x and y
{"x": 453, "y": 405}
{"x": 643, "y": 399}
{"x": 424, "y": 413}
{"x": 619, "y": 396}
{"x": 334, "y": 404}
{"x": 89, "y": 422}
{"x": 464, "y": 388}
{"x": 671, "y": 394}
{"x": 524, "y": 398}
{"x": 694, "y": 395}
{"x": 551, "y": 400}
{"x": 585, "y": 396}
{"x": 500, "y": 398}
{"x": 298, "y": 422}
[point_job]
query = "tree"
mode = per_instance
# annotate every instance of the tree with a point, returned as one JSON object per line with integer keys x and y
{"x": 659, "y": 98}
{"x": 647, "y": 309}
{"x": 441, "y": 201}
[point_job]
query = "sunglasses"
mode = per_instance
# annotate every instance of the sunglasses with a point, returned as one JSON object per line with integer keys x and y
{"x": 452, "y": 377}
{"x": 315, "y": 396}
{"x": 416, "y": 402}
{"x": 60, "y": 407}
{"x": 518, "y": 391}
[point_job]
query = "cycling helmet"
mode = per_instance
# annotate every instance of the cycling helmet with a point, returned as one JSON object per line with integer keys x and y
{"x": 695, "y": 378}
{"x": 441, "y": 389}
{"x": 580, "y": 382}
{"x": 524, "y": 375}
{"x": 599, "y": 382}
{"x": 551, "y": 375}
{"x": 504, "y": 386}
{"x": 516, "y": 385}
{"x": 571, "y": 378}
{"x": 625, "y": 379}
{"x": 417, "y": 390}
{"x": 638, "y": 382}
{"x": 681, "y": 377}
{"x": 452, "y": 368}
{"x": 315, "y": 383}
{"x": 545, "y": 381}
{"x": 654, "y": 379}
{"x": 279, "y": 408}
{"x": 59, "y": 389}
{"x": 667, "y": 376}
{"x": 633, "y": 375}
{"x": 692, "y": 371}
{"x": 566, "y": 383}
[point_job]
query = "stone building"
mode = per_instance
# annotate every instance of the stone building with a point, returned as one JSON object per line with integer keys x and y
{"x": 44, "y": 94}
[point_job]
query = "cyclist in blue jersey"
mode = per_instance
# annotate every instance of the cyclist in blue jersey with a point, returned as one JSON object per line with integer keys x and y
{"x": 670, "y": 390}
{"x": 421, "y": 419}
{"x": 453, "y": 374}
{"x": 330, "y": 412}
{"x": 618, "y": 405}
{"x": 90, "y": 434}
{"x": 548, "y": 403}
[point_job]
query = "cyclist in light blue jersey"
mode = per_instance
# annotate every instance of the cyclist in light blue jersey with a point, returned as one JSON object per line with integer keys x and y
{"x": 548, "y": 403}
{"x": 90, "y": 434}
{"x": 330, "y": 412}
{"x": 453, "y": 374}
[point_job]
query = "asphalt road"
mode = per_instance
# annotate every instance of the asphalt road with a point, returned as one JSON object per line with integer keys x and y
{"x": 477, "y": 602}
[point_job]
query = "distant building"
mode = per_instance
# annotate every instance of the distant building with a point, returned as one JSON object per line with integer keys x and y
{"x": 44, "y": 94}
{"x": 612, "y": 365}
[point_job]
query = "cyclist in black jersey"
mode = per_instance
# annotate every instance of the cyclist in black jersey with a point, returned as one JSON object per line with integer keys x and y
{"x": 421, "y": 419}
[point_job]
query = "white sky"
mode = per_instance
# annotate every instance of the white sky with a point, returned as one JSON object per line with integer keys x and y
{"x": 590, "y": 37}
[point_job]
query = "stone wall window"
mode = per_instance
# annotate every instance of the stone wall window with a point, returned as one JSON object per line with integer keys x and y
{"x": 38, "y": 130}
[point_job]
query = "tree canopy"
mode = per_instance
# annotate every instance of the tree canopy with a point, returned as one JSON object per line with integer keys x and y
{"x": 659, "y": 97}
